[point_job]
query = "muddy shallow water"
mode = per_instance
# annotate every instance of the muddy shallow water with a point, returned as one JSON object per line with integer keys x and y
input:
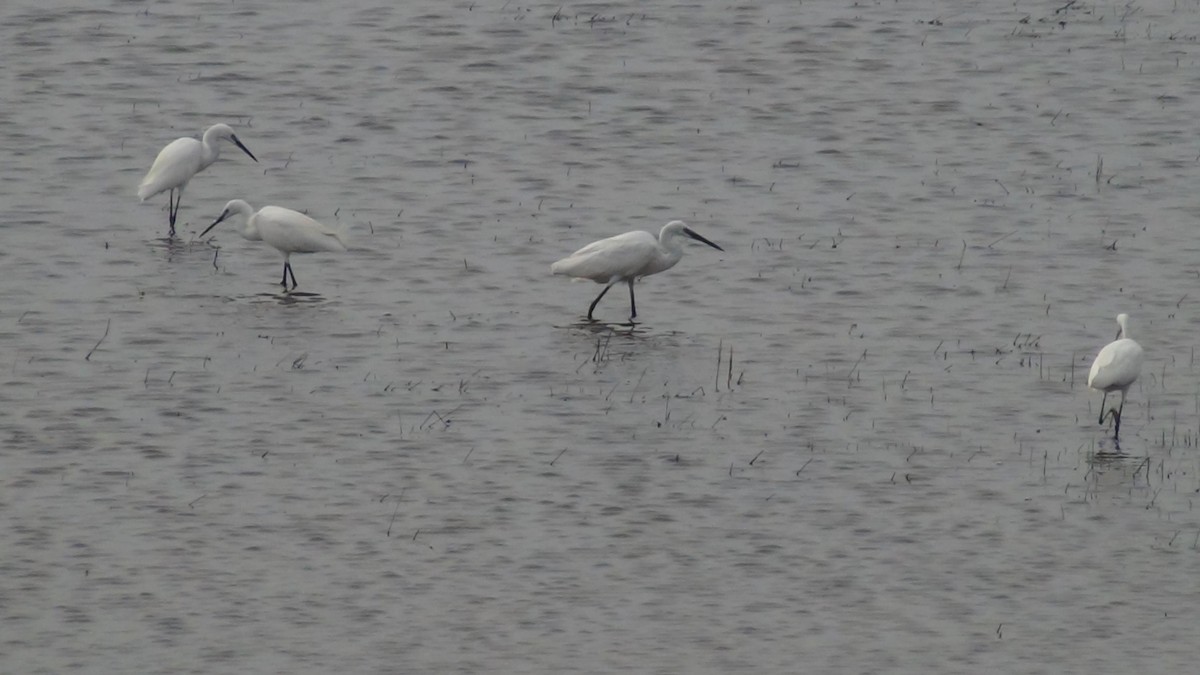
{"x": 859, "y": 440}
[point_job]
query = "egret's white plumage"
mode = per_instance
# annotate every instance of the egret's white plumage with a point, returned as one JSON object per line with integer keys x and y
{"x": 286, "y": 230}
{"x": 181, "y": 159}
{"x": 627, "y": 257}
{"x": 1116, "y": 367}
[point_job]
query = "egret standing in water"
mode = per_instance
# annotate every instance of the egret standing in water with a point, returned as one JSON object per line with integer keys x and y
{"x": 1116, "y": 367}
{"x": 286, "y": 230}
{"x": 181, "y": 159}
{"x": 626, "y": 257}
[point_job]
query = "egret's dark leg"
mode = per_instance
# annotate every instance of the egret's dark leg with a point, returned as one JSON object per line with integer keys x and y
{"x": 172, "y": 209}
{"x": 285, "y": 273}
{"x": 632, "y": 302}
{"x": 1120, "y": 409}
{"x": 287, "y": 268}
{"x": 592, "y": 307}
{"x": 1102, "y": 411}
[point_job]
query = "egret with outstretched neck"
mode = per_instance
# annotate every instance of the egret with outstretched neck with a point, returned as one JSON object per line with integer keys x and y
{"x": 627, "y": 257}
{"x": 1116, "y": 367}
{"x": 286, "y": 230}
{"x": 182, "y": 159}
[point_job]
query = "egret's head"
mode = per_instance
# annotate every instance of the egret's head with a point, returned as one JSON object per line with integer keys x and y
{"x": 1123, "y": 322}
{"x": 225, "y": 132}
{"x": 234, "y": 207}
{"x": 678, "y": 227}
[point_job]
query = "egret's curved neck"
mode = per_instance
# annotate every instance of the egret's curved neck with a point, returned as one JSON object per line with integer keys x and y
{"x": 670, "y": 251}
{"x": 1125, "y": 330}
{"x": 210, "y": 148}
{"x": 250, "y": 231}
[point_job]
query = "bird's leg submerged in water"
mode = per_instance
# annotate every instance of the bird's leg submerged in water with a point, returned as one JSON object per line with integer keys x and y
{"x": 287, "y": 268}
{"x": 632, "y": 302}
{"x": 592, "y": 307}
{"x": 1116, "y": 430}
{"x": 172, "y": 209}
{"x": 1103, "y": 400}
{"x": 1115, "y": 413}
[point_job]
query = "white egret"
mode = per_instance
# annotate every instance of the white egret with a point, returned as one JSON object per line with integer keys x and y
{"x": 1116, "y": 367}
{"x": 182, "y": 159}
{"x": 286, "y": 230}
{"x": 627, "y": 257}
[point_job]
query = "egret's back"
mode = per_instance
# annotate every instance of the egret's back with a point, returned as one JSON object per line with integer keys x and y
{"x": 293, "y": 232}
{"x": 174, "y": 167}
{"x": 620, "y": 257}
{"x": 1116, "y": 366}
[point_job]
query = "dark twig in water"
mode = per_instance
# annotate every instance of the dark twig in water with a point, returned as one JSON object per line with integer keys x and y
{"x": 1002, "y": 238}
{"x": 760, "y": 452}
{"x": 192, "y": 503}
{"x": 639, "y": 384}
{"x": 961, "y": 256}
{"x": 560, "y": 454}
{"x": 107, "y": 325}
{"x": 717, "y": 380}
{"x": 394, "y": 512}
{"x": 729, "y": 376}
{"x": 1144, "y": 463}
{"x": 850, "y": 375}
{"x": 810, "y": 459}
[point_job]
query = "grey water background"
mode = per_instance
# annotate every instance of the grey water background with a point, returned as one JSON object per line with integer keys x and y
{"x": 932, "y": 213}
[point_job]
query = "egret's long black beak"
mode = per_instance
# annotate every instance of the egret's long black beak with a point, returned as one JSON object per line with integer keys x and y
{"x": 691, "y": 233}
{"x": 224, "y": 215}
{"x": 243, "y": 147}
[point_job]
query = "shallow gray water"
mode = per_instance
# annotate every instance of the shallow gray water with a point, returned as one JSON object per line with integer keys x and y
{"x": 932, "y": 215}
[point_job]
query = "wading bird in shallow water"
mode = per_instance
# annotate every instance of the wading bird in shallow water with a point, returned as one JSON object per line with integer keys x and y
{"x": 626, "y": 257}
{"x": 1116, "y": 367}
{"x": 181, "y": 159}
{"x": 286, "y": 230}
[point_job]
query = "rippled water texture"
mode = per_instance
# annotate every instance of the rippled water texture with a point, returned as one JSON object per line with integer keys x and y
{"x": 859, "y": 440}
